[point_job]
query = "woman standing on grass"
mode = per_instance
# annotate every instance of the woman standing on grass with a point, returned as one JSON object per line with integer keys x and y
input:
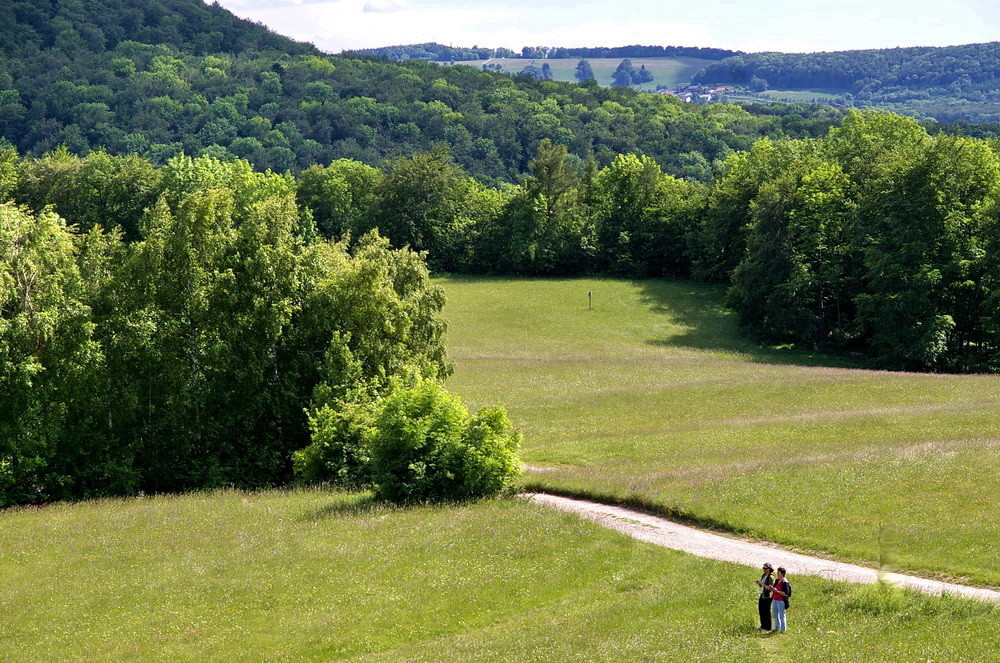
{"x": 764, "y": 600}
{"x": 779, "y": 600}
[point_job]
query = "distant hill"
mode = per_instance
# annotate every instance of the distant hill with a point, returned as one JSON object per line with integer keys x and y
{"x": 947, "y": 84}
{"x": 156, "y": 77}
{"x": 441, "y": 53}
{"x": 96, "y": 26}
{"x": 953, "y": 82}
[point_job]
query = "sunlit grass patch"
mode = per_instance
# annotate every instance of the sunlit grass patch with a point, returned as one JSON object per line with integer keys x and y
{"x": 655, "y": 396}
{"x": 319, "y": 576}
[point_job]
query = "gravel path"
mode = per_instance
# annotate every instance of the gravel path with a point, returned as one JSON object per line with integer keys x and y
{"x": 669, "y": 534}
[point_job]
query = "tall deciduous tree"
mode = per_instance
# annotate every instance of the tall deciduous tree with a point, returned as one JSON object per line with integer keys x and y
{"x": 584, "y": 71}
{"x": 422, "y": 202}
{"x": 624, "y": 75}
{"x": 642, "y": 217}
{"x": 546, "y": 228}
{"x": 790, "y": 285}
{"x": 341, "y": 196}
{"x": 47, "y": 356}
{"x": 719, "y": 241}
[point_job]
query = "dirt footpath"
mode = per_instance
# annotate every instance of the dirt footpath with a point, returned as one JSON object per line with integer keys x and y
{"x": 669, "y": 534}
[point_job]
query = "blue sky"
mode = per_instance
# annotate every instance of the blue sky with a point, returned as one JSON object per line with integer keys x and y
{"x": 750, "y": 25}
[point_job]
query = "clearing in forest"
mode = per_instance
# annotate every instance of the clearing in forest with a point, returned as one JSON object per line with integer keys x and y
{"x": 655, "y": 397}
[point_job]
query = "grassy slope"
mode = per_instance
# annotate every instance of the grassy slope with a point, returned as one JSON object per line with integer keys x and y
{"x": 654, "y": 396}
{"x": 671, "y": 72}
{"x": 314, "y": 576}
{"x": 652, "y": 384}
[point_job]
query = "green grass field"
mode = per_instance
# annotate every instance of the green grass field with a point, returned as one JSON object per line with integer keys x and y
{"x": 655, "y": 397}
{"x": 787, "y": 96}
{"x": 319, "y": 576}
{"x": 652, "y": 396}
{"x": 803, "y": 95}
{"x": 669, "y": 72}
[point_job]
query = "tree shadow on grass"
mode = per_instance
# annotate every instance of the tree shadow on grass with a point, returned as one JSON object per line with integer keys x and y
{"x": 699, "y": 309}
{"x": 367, "y": 504}
{"x": 360, "y": 506}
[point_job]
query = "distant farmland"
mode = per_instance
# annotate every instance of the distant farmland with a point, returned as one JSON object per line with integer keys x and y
{"x": 668, "y": 72}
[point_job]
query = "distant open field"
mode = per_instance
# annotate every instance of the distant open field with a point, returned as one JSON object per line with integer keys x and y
{"x": 655, "y": 396}
{"x": 802, "y": 95}
{"x": 320, "y": 576}
{"x": 808, "y": 96}
{"x": 669, "y": 72}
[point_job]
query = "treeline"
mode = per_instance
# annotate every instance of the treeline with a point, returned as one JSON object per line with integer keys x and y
{"x": 184, "y": 327}
{"x": 564, "y": 218}
{"x": 915, "y": 77}
{"x": 434, "y": 52}
{"x": 635, "y": 51}
{"x": 441, "y": 53}
{"x": 877, "y": 239}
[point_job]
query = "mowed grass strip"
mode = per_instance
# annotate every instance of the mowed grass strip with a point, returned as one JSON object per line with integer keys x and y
{"x": 318, "y": 576}
{"x": 655, "y": 397}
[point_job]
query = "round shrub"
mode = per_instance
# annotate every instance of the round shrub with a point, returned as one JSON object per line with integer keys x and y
{"x": 339, "y": 452}
{"x": 426, "y": 447}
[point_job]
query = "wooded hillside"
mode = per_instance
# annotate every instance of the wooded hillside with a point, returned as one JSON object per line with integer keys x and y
{"x": 967, "y": 77}
{"x": 157, "y": 78}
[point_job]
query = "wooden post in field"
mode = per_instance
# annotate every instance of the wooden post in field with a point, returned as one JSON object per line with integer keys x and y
{"x": 590, "y": 300}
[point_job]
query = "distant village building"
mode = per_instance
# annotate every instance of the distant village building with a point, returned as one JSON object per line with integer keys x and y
{"x": 693, "y": 92}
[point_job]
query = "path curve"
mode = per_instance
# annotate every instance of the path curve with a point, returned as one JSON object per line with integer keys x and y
{"x": 669, "y": 534}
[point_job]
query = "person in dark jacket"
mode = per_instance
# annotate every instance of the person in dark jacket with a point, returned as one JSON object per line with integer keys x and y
{"x": 766, "y": 582}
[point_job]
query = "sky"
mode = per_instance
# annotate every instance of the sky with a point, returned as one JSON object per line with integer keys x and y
{"x": 748, "y": 25}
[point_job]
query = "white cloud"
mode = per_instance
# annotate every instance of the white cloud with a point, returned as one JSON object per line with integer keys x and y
{"x": 383, "y": 6}
{"x": 350, "y": 24}
{"x": 750, "y": 25}
{"x": 609, "y": 33}
{"x": 240, "y": 7}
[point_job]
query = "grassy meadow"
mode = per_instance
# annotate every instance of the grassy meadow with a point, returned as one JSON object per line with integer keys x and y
{"x": 321, "y": 576}
{"x": 654, "y": 397}
{"x": 811, "y": 96}
{"x": 669, "y": 72}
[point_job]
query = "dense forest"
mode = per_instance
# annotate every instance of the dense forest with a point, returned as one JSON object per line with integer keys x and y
{"x": 187, "y": 329}
{"x": 442, "y": 53}
{"x": 33, "y": 27}
{"x": 948, "y": 83}
{"x": 876, "y": 239}
{"x": 433, "y": 52}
